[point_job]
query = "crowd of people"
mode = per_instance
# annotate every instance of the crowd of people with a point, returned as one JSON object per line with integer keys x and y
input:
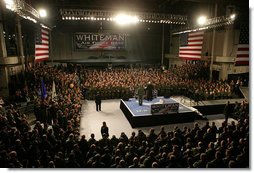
{"x": 198, "y": 70}
{"x": 64, "y": 107}
{"x": 45, "y": 146}
{"x": 54, "y": 140}
{"x": 119, "y": 82}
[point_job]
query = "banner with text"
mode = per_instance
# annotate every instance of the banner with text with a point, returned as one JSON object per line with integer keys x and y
{"x": 167, "y": 108}
{"x": 96, "y": 41}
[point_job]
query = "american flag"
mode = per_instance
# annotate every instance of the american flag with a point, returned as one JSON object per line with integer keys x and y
{"x": 191, "y": 45}
{"x": 42, "y": 45}
{"x": 242, "y": 54}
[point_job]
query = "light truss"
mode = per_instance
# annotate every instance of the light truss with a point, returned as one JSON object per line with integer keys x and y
{"x": 211, "y": 23}
{"x": 23, "y": 9}
{"x": 100, "y": 15}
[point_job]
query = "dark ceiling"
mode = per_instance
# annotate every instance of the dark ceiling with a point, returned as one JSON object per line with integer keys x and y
{"x": 167, "y": 6}
{"x": 190, "y": 8}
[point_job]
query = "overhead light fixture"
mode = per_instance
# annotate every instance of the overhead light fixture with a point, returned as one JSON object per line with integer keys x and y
{"x": 123, "y": 19}
{"x": 232, "y": 16}
{"x": 202, "y": 20}
{"x": 9, "y": 4}
{"x": 42, "y": 13}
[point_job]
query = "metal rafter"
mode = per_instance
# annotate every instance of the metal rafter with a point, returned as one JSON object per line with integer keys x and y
{"x": 211, "y": 23}
{"x": 83, "y": 14}
{"x": 26, "y": 11}
{"x": 26, "y": 8}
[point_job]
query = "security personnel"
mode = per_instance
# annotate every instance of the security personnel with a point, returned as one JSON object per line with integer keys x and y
{"x": 98, "y": 101}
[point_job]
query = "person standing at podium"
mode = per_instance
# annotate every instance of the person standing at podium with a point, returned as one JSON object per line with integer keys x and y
{"x": 149, "y": 91}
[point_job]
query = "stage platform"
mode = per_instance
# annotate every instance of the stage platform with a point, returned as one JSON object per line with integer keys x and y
{"x": 140, "y": 116}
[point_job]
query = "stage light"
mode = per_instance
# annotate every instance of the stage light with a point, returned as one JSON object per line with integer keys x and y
{"x": 135, "y": 19}
{"x": 42, "y": 13}
{"x": 9, "y": 4}
{"x": 201, "y": 20}
{"x": 232, "y": 16}
{"x": 123, "y": 19}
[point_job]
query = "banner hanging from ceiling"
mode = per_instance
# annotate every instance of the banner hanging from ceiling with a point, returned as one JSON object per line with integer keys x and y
{"x": 98, "y": 41}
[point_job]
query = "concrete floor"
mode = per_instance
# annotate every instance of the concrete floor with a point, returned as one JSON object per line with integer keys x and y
{"x": 91, "y": 120}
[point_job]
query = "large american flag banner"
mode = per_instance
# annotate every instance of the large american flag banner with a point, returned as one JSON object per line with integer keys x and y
{"x": 191, "y": 45}
{"x": 42, "y": 45}
{"x": 242, "y": 54}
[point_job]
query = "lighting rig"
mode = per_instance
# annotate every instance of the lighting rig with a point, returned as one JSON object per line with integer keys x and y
{"x": 209, "y": 24}
{"x": 22, "y": 9}
{"x": 122, "y": 17}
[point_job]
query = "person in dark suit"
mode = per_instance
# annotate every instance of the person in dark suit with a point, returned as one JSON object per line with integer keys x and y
{"x": 104, "y": 129}
{"x": 149, "y": 91}
{"x": 227, "y": 111}
{"x": 98, "y": 101}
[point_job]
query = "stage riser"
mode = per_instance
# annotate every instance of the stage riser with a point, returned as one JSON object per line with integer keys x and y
{"x": 156, "y": 120}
